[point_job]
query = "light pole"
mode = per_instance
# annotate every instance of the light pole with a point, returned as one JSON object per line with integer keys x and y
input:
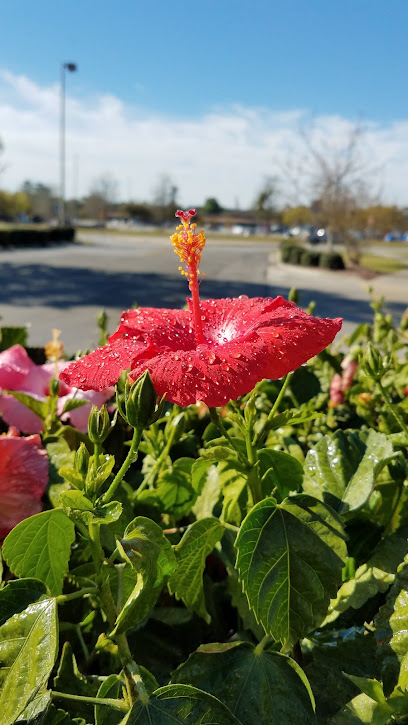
{"x": 71, "y": 67}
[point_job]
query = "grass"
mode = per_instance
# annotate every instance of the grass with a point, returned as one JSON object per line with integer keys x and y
{"x": 382, "y": 265}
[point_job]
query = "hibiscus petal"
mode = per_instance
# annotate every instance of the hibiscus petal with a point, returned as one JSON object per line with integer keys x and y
{"x": 102, "y": 368}
{"x": 17, "y": 414}
{"x": 23, "y": 479}
{"x": 14, "y": 366}
{"x": 212, "y": 374}
{"x": 173, "y": 328}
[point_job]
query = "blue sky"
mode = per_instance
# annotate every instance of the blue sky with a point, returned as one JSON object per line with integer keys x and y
{"x": 205, "y": 68}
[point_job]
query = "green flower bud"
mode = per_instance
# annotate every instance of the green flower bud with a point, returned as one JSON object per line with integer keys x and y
{"x": 293, "y": 295}
{"x": 372, "y": 363}
{"x": 141, "y": 409}
{"x": 98, "y": 424}
{"x": 54, "y": 387}
{"x": 82, "y": 460}
{"x": 250, "y": 411}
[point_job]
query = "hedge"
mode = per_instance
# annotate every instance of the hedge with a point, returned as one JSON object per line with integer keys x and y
{"x": 36, "y": 237}
{"x": 295, "y": 254}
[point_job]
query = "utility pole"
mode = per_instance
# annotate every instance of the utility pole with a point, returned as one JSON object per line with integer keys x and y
{"x": 70, "y": 67}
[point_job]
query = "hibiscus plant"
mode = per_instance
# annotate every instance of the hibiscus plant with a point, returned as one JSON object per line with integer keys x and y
{"x": 226, "y": 541}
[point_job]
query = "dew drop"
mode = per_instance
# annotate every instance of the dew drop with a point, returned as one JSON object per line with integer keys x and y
{"x": 224, "y": 366}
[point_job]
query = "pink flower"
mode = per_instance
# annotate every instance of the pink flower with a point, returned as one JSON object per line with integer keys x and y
{"x": 23, "y": 478}
{"x": 213, "y": 352}
{"x": 341, "y": 383}
{"x": 18, "y": 372}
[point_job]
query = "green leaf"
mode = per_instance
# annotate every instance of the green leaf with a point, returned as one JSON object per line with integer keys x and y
{"x": 186, "y": 583}
{"x": 111, "y": 688}
{"x": 10, "y": 336}
{"x": 205, "y": 480}
{"x": 279, "y": 470}
{"x": 69, "y": 680}
{"x": 76, "y": 500}
{"x": 40, "y": 547}
{"x": 174, "y": 489}
{"x": 59, "y": 454}
{"x": 290, "y": 558}
{"x": 39, "y": 407}
{"x": 362, "y": 710}
{"x": 238, "y": 499}
{"x": 374, "y": 576}
{"x": 36, "y": 708}
{"x": 342, "y": 468}
{"x": 28, "y": 647}
{"x": 266, "y": 687}
{"x": 291, "y": 417}
{"x": 392, "y": 632}
{"x": 151, "y": 555}
{"x": 73, "y": 404}
{"x": 18, "y": 594}
{"x": 174, "y": 704}
{"x": 217, "y": 453}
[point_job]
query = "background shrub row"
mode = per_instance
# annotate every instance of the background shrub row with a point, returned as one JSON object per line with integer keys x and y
{"x": 295, "y": 254}
{"x": 35, "y": 237}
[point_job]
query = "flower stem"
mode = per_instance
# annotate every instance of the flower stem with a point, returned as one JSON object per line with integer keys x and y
{"x": 108, "y": 701}
{"x": 217, "y": 420}
{"x": 137, "y": 434}
{"x": 62, "y": 598}
{"x": 392, "y": 409}
{"x": 261, "y": 434}
{"x": 134, "y": 683}
{"x": 262, "y": 644}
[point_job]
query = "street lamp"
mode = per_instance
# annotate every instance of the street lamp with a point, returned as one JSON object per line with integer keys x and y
{"x": 70, "y": 67}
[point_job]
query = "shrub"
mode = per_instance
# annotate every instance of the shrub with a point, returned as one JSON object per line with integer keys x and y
{"x": 35, "y": 237}
{"x": 309, "y": 258}
{"x": 331, "y": 260}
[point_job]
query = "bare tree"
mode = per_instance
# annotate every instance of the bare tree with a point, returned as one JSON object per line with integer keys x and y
{"x": 265, "y": 205}
{"x": 102, "y": 196}
{"x": 165, "y": 198}
{"x": 339, "y": 178}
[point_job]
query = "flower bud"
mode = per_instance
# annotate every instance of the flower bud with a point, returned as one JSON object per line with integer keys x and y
{"x": 98, "y": 424}
{"x": 82, "y": 459}
{"x": 372, "y": 363}
{"x": 141, "y": 408}
{"x": 293, "y": 295}
{"x": 54, "y": 387}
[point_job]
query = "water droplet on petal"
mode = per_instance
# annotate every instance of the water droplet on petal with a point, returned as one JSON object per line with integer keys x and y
{"x": 224, "y": 366}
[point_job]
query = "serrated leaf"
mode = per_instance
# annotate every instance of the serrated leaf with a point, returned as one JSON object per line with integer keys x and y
{"x": 206, "y": 480}
{"x": 35, "y": 712}
{"x": 290, "y": 417}
{"x": 73, "y": 404}
{"x": 18, "y": 594}
{"x": 186, "y": 583}
{"x": 151, "y": 555}
{"x": 361, "y": 710}
{"x": 392, "y": 632}
{"x": 174, "y": 704}
{"x": 342, "y": 468}
{"x": 265, "y": 687}
{"x": 57, "y": 716}
{"x": 59, "y": 454}
{"x": 237, "y": 494}
{"x": 279, "y": 470}
{"x": 28, "y": 648}
{"x": 40, "y": 547}
{"x": 174, "y": 489}
{"x": 76, "y": 500}
{"x": 217, "y": 453}
{"x": 290, "y": 558}
{"x": 39, "y": 407}
{"x": 374, "y": 576}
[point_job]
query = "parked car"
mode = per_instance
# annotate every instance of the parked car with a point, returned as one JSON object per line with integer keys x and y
{"x": 317, "y": 236}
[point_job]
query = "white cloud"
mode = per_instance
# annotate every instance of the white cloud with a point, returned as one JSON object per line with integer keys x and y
{"x": 225, "y": 153}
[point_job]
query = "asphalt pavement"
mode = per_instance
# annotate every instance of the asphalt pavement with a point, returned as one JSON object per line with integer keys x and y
{"x": 66, "y": 287}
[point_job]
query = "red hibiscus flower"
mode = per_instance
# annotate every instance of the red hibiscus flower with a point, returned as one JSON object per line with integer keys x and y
{"x": 23, "y": 478}
{"x": 213, "y": 352}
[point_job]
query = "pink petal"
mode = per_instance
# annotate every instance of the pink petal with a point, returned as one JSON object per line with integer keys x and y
{"x": 14, "y": 367}
{"x": 23, "y": 479}
{"x": 79, "y": 417}
{"x": 18, "y": 415}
